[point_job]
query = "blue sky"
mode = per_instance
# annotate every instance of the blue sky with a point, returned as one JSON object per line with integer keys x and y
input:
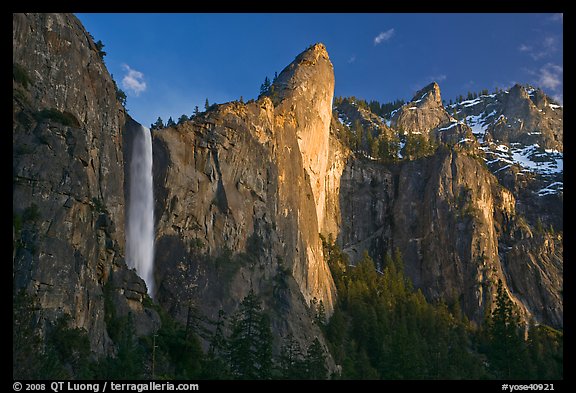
{"x": 168, "y": 63}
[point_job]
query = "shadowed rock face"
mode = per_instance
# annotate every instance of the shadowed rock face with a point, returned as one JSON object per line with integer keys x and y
{"x": 457, "y": 230}
{"x": 68, "y": 167}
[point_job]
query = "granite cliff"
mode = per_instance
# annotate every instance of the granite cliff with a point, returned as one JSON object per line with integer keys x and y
{"x": 461, "y": 215}
{"x": 243, "y": 192}
{"x": 68, "y": 180}
{"x": 246, "y": 187}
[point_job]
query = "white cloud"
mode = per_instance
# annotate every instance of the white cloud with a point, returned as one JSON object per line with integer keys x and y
{"x": 352, "y": 59}
{"x": 438, "y": 78}
{"x": 559, "y": 98}
{"x": 557, "y": 18}
{"x": 524, "y": 48}
{"x": 546, "y": 47}
{"x": 133, "y": 81}
{"x": 550, "y": 76}
{"x": 383, "y": 36}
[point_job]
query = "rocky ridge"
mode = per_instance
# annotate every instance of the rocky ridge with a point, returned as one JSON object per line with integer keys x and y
{"x": 403, "y": 203}
{"x": 244, "y": 190}
{"x": 521, "y": 132}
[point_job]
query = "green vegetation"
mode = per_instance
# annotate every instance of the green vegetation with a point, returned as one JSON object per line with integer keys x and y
{"x": 20, "y": 75}
{"x": 472, "y": 95}
{"x": 64, "y": 118}
{"x": 63, "y": 354}
{"x": 265, "y": 87}
{"x": 120, "y": 96}
{"x": 382, "y": 328}
{"x": 269, "y": 89}
{"x": 182, "y": 119}
{"x": 250, "y": 342}
{"x": 98, "y": 205}
{"x": 99, "y": 46}
{"x": 384, "y": 110}
{"x": 417, "y": 146}
{"x": 173, "y": 352}
{"x": 157, "y": 125}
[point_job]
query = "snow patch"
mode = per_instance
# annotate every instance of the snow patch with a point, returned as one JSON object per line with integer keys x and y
{"x": 552, "y": 188}
{"x": 447, "y": 128}
{"x": 531, "y": 158}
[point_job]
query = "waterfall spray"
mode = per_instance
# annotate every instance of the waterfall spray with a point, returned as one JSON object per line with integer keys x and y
{"x": 140, "y": 229}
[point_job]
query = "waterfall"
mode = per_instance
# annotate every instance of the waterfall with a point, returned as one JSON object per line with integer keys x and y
{"x": 140, "y": 228}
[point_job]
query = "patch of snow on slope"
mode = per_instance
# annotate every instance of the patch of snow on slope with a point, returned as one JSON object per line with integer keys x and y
{"x": 552, "y": 188}
{"x": 447, "y": 128}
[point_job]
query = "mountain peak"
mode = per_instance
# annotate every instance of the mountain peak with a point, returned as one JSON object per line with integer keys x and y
{"x": 311, "y": 67}
{"x": 430, "y": 94}
{"x": 317, "y": 48}
{"x": 518, "y": 90}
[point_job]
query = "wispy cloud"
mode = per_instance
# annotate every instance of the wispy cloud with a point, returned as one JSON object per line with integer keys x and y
{"x": 550, "y": 76}
{"x": 524, "y": 48}
{"x": 557, "y": 18}
{"x": 383, "y": 36}
{"x": 437, "y": 78}
{"x": 352, "y": 59}
{"x": 544, "y": 48}
{"x": 133, "y": 81}
{"x": 559, "y": 98}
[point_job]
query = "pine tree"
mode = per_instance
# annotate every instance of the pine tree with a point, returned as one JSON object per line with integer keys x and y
{"x": 206, "y": 104}
{"x": 251, "y": 341}
{"x": 358, "y": 137}
{"x": 196, "y": 111}
{"x": 99, "y": 47}
{"x": 292, "y": 364}
{"x": 264, "y": 87}
{"x": 27, "y": 357}
{"x": 264, "y": 348}
{"x": 216, "y": 366}
{"x": 321, "y": 314}
{"x": 183, "y": 119}
{"x": 507, "y": 346}
{"x": 315, "y": 361}
{"x": 170, "y": 122}
{"x": 120, "y": 94}
{"x": 410, "y": 146}
{"x": 546, "y": 352}
{"x": 157, "y": 125}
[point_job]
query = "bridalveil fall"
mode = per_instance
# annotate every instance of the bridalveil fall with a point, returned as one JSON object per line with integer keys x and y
{"x": 140, "y": 229}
